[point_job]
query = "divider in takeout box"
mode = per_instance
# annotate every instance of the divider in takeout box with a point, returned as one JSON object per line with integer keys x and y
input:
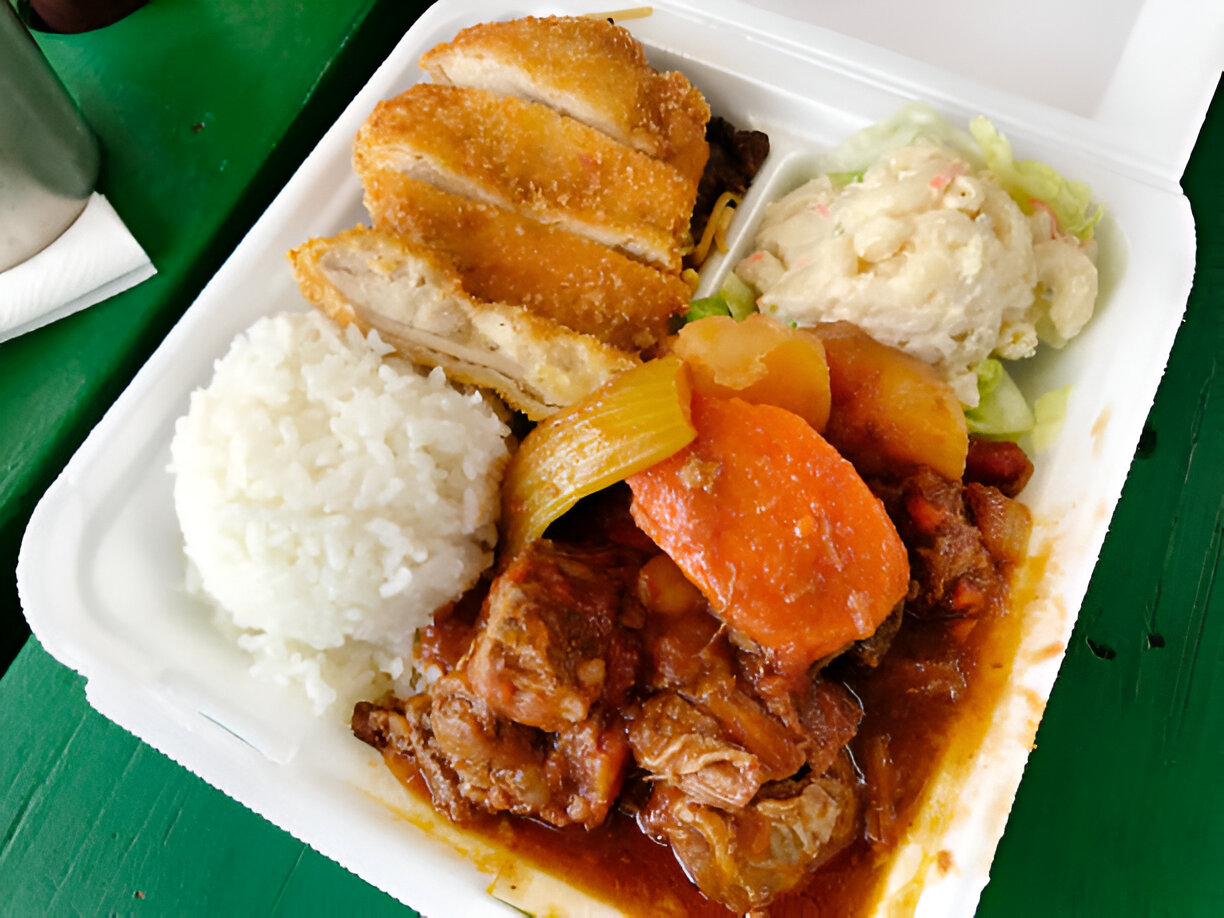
{"x": 101, "y": 573}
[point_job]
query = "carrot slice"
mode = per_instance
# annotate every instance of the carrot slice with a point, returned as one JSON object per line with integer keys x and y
{"x": 776, "y": 528}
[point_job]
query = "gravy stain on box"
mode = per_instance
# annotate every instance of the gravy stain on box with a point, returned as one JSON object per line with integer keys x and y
{"x": 1098, "y": 431}
{"x": 963, "y": 813}
{"x": 513, "y": 880}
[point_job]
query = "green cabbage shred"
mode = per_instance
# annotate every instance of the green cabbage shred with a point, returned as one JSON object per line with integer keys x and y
{"x": 842, "y": 179}
{"x": 739, "y": 296}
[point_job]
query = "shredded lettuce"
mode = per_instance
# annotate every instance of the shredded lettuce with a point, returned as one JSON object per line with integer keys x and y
{"x": 1029, "y": 181}
{"x": 1002, "y": 411}
{"x": 1026, "y": 180}
{"x": 1049, "y": 412}
{"x": 735, "y": 298}
{"x": 842, "y": 179}
{"x": 910, "y": 124}
{"x": 707, "y": 306}
{"x": 739, "y": 297}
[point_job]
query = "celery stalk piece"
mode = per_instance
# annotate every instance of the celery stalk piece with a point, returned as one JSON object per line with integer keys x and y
{"x": 630, "y": 423}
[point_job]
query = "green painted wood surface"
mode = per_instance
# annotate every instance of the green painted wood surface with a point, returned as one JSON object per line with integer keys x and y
{"x": 97, "y": 823}
{"x": 1121, "y": 811}
{"x": 203, "y": 110}
{"x": 1122, "y": 807}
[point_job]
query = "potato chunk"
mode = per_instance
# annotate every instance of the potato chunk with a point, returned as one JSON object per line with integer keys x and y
{"x": 890, "y": 412}
{"x": 759, "y": 360}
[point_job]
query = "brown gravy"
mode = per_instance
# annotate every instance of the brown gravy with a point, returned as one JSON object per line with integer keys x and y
{"x": 933, "y": 693}
{"x": 615, "y": 862}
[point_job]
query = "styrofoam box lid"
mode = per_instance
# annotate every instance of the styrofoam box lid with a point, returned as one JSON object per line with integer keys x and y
{"x": 1130, "y": 79}
{"x": 101, "y": 570}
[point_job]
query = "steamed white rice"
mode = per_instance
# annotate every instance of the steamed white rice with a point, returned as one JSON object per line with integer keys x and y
{"x": 331, "y": 499}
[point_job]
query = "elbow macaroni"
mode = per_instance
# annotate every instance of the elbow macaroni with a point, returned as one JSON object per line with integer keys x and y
{"x": 927, "y": 255}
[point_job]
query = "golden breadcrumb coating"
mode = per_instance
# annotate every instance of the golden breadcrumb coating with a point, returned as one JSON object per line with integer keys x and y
{"x": 587, "y": 68}
{"x": 531, "y": 159}
{"x": 502, "y": 257}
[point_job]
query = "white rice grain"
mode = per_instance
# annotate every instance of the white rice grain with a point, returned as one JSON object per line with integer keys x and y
{"x": 331, "y": 498}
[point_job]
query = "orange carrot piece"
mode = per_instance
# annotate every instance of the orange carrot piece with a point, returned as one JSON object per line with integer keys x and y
{"x": 778, "y": 530}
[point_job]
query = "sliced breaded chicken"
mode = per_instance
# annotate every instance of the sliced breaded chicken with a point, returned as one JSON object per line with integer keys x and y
{"x": 588, "y": 68}
{"x": 415, "y": 301}
{"x": 502, "y": 257}
{"x": 526, "y": 157}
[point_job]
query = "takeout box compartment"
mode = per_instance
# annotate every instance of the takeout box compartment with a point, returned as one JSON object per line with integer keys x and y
{"x": 101, "y": 572}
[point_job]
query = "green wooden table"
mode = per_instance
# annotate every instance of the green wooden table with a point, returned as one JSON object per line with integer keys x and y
{"x": 204, "y": 109}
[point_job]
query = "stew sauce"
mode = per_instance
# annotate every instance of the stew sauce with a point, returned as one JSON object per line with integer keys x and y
{"x": 932, "y": 694}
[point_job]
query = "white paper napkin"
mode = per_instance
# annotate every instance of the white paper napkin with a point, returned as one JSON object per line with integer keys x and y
{"x": 94, "y": 259}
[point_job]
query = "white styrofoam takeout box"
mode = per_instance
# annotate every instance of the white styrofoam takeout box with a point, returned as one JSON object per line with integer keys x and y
{"x": 101, "y": 570}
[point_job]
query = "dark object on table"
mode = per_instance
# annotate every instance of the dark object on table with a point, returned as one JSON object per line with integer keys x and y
{"x": 71, "y": 16}
{"x": 49, "y": 157}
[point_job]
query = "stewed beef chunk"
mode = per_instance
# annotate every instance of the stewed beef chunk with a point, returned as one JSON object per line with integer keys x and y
{"x": 1005, "y": 524}
{"x": 745, "y": 858}
{"x": 401, "y": 728}
{"x": 998, "y": 463}
{"x": 551, "y": 634}
{"x": 822, "y": 715}
{"x": 870, "y": 651}
{"x": 473, "y": 759}
{"x": 445, "y": 640}
{"x": 674, "y": 739}
{"x": 701, "y": 725}
{"x": 586, "y": 767}
{"x": 500, "y": 764}
{"x": 528, "y": 721}
{"x": 953, "y": 573}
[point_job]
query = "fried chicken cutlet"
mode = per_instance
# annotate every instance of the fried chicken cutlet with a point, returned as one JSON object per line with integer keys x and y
{"x": 416, "y": 302}
{"x": 589, "y": 69}
{"x": 504, "y": 258}
{"x": 529, "y": 158}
